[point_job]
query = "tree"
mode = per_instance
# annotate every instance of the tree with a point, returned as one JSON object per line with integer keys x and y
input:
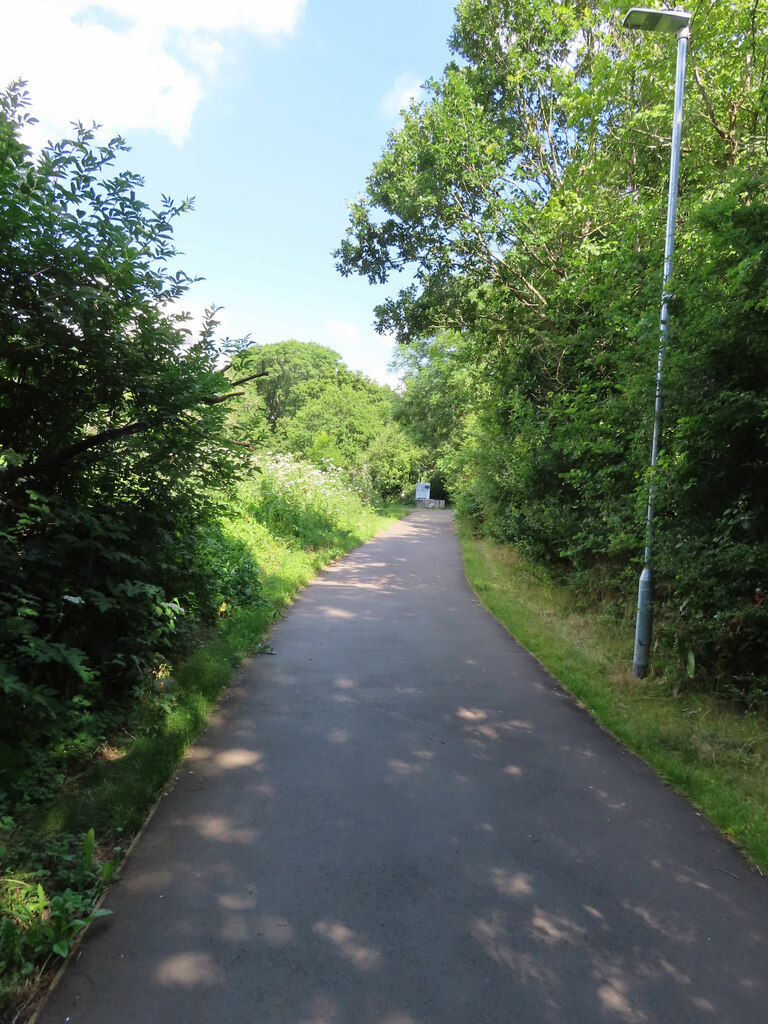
{"x": 313, "y": 406}
{"x": 111, "y": 420}
{"x": 526, "y": 192}
{"x": 441, "y": 385}
{"x": 284, "y": 366}
{"x": 713, "y": 552}
{"x": 507, "y": 191}
{"x": 348, "y": 421}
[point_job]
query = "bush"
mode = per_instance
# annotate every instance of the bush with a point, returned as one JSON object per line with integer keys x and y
{"x": 110, "y": 435}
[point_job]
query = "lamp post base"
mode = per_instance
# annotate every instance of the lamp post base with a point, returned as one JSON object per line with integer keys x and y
{"x": 644, "y": 624}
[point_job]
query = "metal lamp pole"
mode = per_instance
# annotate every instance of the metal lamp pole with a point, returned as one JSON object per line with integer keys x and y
{"x": 646, "y": 19}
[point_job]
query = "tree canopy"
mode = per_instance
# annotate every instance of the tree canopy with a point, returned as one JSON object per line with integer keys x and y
{"x": 526, "y": 192}
{"x": 313, "y": 406}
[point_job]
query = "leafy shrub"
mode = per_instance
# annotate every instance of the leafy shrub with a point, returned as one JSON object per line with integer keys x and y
{"x": 298, "y": 500}
{"x": 111, "y": 447}
{"x": 713, "y": 480}
{"x": 35, "y": 925}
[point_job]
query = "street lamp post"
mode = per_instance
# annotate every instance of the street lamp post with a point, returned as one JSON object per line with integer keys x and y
{"x": 646, "y": 19}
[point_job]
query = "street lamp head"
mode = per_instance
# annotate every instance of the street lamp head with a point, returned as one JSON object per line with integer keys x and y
{"x": 647, "y": 19}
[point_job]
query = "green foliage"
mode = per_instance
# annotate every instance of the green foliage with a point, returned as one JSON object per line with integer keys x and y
{"x": 391, "y": 461}
{"x": 318, "y": 410}
{"x": 112, "y": 454}
{"x": 286, "y": 364}
{"x": 714, "y": 479}
{"x": 438, "y": 393}
{"x": 526, "y": 192}
{"x": 351, "y": 427}
{"x": 303, "y": 504}
{"x": 127, "y": 529}
{"x": 337, "y": 420}
{"x": 42, "y": 918}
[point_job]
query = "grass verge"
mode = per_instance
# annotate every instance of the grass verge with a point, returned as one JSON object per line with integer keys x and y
{"x": 711, "y": 752}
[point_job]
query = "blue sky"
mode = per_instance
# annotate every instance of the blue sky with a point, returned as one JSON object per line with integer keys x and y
{"x": 269, "y": 112}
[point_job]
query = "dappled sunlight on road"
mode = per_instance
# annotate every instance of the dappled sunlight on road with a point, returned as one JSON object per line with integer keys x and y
{"x": 608, "y": 801}
{"x": 403, "y": 768}
{"x": 472, "y": 714}
{"x": 628, "y": 945}
{"x": 386, "y": 582}
{"x": 414, "y": 767}
{"x": 703, "y": 1004}
{"x": 213, "y": 762}
{"x": 509, "y": 884}
{"x": 503, "y": 946}
{"x": 190, "y": 969}
{"x": 337, "y": 613}
{"x": 687, "y": 877}
{"x": 222, "y": 829}
{"x": 525, "y": 943}
{"x": 238, "y": 758}
{"x": 553, "y": 928}
{"x": 519, "y": 933}
{"x": 614, "y": 998}
{"x": 362, "y": 956}
{"x": 489, "y": 725}
{"x": 668, "y": 924}
{"x": 238, "y": 901}
{"x": 339, "y": 736}
{"x": 579, "y": 752}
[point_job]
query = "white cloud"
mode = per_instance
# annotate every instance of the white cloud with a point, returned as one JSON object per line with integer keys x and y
{"x": 264, "y": 17}
{"x": 127, "y": 64}
{"x": 361, "y": 350}
{"x": 346, "y": 333}
{"x": 405, "y": 88}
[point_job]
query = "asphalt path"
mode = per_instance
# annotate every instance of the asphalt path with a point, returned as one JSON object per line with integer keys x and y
{"x": 401, "y": 818}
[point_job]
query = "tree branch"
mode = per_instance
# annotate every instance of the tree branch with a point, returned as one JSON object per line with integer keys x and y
{"x": 223, "y": 398}
{"x": 710, "y": 109}
{"x": 253, "y": 376}
{"x": 51, "y": 460}
{"x": 243, "y": 444}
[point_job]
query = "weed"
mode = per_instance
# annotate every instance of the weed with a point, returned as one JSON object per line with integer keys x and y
{"x": 43, "y": 921}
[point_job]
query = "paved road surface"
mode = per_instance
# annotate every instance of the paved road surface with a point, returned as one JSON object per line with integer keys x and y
{"x": 401, "y": 819}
